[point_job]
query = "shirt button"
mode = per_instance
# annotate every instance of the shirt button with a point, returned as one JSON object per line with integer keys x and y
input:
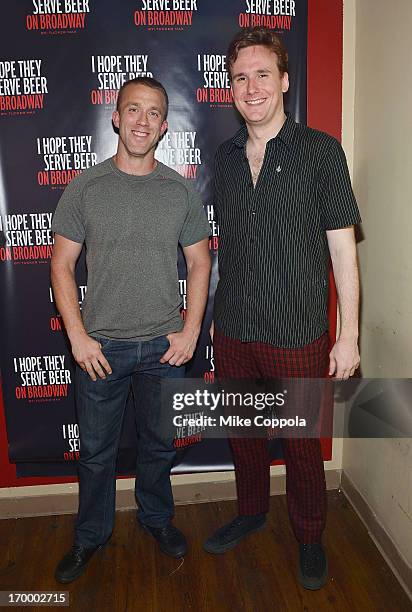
{"x": 253, "y": 212}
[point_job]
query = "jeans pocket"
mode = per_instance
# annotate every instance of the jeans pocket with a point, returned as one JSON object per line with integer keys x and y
{"x": 104, "y": 342}
{"x": 163, "y": 339}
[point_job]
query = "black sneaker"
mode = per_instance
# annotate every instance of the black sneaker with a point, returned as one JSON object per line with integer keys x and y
{"x": 229, "y": 535}
{"x": 313, "y": 566}
{"x": 171, "y": 541}
{"x": 74, "y": 563}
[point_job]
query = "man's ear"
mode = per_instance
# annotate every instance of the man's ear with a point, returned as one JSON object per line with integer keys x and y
{"x": 163, "y": 127}
{"x": 285, "y": 82}
{"x": 116, "y": 119}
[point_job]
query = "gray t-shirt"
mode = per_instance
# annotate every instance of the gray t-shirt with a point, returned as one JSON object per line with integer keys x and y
{"x": 131, "y": 226}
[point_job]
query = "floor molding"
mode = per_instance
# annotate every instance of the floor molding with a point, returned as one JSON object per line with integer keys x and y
{"x": 382, "y": 540}
{"x": 184, "y": 493}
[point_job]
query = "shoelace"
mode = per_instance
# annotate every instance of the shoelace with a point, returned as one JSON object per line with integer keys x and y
{"x": 311, "y": 559}
{"x": 77, "y": 551}
{"x": 235, "y": 523}
{"x": 168, "y": 530}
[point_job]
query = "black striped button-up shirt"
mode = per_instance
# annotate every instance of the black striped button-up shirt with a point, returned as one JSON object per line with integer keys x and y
{"x": 273, "y": 252}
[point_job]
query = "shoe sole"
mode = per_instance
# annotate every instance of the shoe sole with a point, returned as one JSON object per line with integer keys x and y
{"x": 163, "y": 550}
{"x": 225, "y": 547}
{"x": 314, "y": 585}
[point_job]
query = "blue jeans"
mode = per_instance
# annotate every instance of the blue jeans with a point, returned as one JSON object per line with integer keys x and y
{"x": 100, "y": 410}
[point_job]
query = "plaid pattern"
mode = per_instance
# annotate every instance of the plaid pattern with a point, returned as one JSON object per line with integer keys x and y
{"x": 305, "y": 476}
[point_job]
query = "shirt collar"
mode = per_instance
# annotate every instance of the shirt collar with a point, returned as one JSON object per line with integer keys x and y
{"x": 285, "y": 134}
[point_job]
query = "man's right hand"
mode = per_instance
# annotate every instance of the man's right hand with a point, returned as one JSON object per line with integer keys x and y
{"x": 88, "y": 354}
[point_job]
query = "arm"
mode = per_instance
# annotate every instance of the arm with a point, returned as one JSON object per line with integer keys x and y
{"x": 212, "y": 323}
{"x": 183, "y": 344}
{"x": 212, "y": 330}
{"x": 86, "y": 351}
{"x": 217, "y": 181}
{"x": 344, "y": 356}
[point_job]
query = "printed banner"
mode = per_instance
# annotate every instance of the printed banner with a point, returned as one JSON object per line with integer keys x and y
{"x": 61, "y": 65}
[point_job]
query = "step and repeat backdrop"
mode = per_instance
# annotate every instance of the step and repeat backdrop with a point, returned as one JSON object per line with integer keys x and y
{"x": 61, "y": 64}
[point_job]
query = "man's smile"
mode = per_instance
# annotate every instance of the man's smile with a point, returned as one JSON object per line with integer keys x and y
{"x": 255, "y": 102}
{"x": 139, "y": 133}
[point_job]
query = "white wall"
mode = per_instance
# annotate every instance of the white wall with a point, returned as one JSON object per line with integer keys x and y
{"x": 382, "y": 169}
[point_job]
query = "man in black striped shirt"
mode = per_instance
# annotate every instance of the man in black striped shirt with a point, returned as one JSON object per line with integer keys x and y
{"x": 284, "y": 203}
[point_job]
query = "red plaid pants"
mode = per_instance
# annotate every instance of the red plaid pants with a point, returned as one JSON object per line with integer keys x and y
{"x": 305, "y": 475}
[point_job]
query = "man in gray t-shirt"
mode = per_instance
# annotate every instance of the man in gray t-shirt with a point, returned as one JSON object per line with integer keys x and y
{"x": 130, "y": 212}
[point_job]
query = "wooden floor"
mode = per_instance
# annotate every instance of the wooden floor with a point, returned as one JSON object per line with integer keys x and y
{"x": 258, "y": 576}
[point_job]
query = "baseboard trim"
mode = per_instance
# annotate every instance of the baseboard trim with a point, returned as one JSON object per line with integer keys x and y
{"x": 382, "y": 540}
{"x": 225, "y": 490}
{"x": 184, "y": 493}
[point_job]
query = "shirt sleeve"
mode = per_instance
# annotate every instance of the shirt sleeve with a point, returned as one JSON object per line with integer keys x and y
{"x": 196, "y": 226}
{"x": 337, "y": 201}
{"x": 68, "y": 218}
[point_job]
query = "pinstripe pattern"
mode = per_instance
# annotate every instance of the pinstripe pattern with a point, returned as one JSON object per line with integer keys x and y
{"x": 273, "y": 253}
{"x": 305, "y": 476}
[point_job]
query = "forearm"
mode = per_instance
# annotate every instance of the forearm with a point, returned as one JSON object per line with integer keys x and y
{"x": 182, "y": 344}
{"x": 198, "y": 274}
{"x": 345, "y": 270}
{"x": 65, "y": 295}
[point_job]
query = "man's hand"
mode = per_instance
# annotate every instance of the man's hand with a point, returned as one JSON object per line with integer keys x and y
{"x": 87, "y": 353}
{"x": 181, "y": 349}
{"x": 344, "y": 358}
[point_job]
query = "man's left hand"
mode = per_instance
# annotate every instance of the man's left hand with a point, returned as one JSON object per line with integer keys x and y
{"x": 181, "y": 349}
{"x": 344, "y": 358}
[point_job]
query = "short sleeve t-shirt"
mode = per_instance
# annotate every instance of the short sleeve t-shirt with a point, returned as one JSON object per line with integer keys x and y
{"x": 131, "y": 227}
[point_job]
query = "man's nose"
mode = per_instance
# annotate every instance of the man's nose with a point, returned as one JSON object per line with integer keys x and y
{"x": 252, "y": 86}
{"x": 141, "y": 117}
